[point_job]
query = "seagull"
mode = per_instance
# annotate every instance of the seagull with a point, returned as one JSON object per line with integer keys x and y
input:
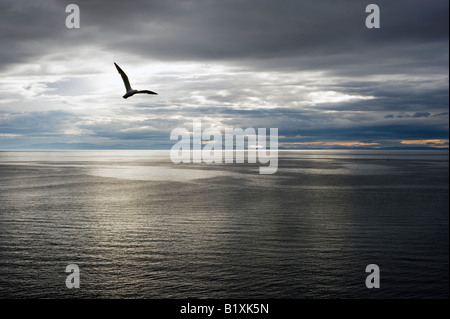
{"x": 130, "y": 91}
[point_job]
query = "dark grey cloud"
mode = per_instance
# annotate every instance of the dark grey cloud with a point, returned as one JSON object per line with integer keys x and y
{"x": 292, "y": 35}
{"x": 28, "y": 29}
{"x": 268, "y": 31}
{"x": 422, "y": 114}
{"x": 37, "y": 123}
{"x": 370, "y": 133}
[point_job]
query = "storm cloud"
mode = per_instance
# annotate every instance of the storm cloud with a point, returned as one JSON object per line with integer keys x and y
{"x": 310, "y": 68}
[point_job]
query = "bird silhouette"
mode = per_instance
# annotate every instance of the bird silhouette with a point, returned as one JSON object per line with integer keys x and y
{"x": 130, "y": 91}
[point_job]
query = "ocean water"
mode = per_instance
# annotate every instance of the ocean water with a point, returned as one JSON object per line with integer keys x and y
{"x": 139, "y": 226}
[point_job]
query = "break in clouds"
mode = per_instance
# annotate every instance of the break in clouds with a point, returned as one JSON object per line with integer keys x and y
{"x": 309, "y": 68}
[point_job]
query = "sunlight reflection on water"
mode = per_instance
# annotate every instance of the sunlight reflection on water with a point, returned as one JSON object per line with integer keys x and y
{"x": 154, "y": 173}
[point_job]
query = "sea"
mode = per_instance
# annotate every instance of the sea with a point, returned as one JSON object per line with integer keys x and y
{"x": 139, "y": 226}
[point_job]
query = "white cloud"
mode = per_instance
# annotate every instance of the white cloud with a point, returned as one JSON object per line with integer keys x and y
{"x": 334, "y": 97}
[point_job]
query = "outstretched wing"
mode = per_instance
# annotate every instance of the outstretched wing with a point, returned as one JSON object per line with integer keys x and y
{"x": 148, "y": 92}
{"x": 124, "y": 78}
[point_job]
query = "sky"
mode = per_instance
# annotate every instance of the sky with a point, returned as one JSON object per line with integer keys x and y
{"x": 312, "y": 69}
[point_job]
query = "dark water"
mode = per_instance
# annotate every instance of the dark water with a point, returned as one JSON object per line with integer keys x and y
{"x": 139, "y": 226}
